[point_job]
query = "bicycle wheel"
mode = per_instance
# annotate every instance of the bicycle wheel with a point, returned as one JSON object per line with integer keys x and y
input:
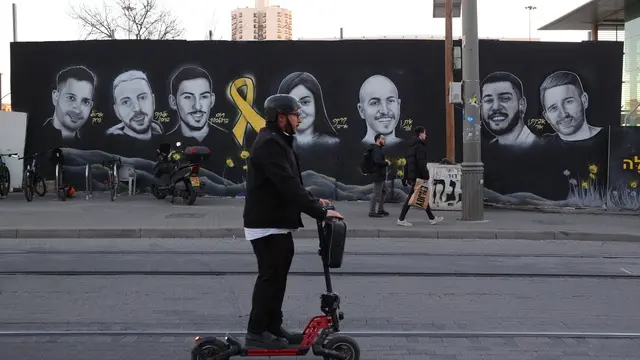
{"x": 112, "y": 186}
{"x": 5, "y": 180}
{"x": 27, "y": 185}
{"x": 40, "y": 186}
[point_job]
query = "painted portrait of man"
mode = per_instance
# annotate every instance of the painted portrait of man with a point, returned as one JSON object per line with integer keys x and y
{"x": 379, "y": 107}
{"x": 72, "y": 100}
{"x": 134, "y": 104}
{"x": 192, "y": 97}
{"x": 564, "y": 104}
{"x": 503, "y": 106}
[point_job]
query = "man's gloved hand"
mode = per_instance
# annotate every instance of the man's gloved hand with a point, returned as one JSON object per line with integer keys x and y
{"x": 334, "y": 214}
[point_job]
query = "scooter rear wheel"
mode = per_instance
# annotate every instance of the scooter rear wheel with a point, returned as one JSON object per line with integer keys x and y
{"x": 189, "y": 195}
{"x": 210, "y": 349}
{"x": 345, "y": 345}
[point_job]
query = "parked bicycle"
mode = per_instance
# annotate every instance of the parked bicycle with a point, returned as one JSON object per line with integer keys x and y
{"x": 112, "y": 181}
{"x": 32, "y": 178}
{"x": 5, "y": 175}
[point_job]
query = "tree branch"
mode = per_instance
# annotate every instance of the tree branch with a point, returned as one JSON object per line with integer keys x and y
{"x": 132, "y": 19}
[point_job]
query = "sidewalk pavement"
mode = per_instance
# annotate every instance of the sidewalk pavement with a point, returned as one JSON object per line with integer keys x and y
{"x": 142, "y": 216}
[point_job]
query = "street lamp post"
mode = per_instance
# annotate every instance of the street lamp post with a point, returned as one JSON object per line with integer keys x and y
{"x": 472, "y": 166}
{"x": 530, "y": 8}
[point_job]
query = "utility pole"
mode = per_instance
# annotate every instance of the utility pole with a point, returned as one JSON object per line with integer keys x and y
{"x": 530, "y": 8}
{"x": 472, "y": 166}
{"x": 448, "y": 78}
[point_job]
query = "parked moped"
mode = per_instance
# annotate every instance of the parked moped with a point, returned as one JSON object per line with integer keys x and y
{"x": 177, "y": 172}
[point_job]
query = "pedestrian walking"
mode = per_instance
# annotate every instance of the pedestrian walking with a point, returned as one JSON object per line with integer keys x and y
{"x": 378, "y": 171}
{"x": 416, "y": 168}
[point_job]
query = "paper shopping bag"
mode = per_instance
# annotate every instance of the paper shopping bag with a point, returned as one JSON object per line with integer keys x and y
{"x": 421, "y": 194}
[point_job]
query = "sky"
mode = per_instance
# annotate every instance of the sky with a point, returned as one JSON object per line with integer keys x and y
{"x": 48, "y": 20}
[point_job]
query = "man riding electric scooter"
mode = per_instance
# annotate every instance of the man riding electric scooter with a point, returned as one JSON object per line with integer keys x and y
{"x": 274, "y": 200}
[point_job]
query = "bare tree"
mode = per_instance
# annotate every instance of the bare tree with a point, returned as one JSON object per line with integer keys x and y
{"x": 127, "y": 19}
{"x": 212, "y": 27}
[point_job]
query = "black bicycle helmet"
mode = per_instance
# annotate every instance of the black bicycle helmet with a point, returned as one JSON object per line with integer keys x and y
{"x": 281, "y": 103}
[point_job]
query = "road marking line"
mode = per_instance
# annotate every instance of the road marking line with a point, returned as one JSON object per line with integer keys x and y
{"x": 626, "y": 271}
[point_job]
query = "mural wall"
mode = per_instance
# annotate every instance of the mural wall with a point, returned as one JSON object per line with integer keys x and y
{"x": 624, "y": 169}
{"x": 545, "y": 109}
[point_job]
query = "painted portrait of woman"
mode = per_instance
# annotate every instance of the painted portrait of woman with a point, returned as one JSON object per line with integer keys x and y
{"x": 315, "y": 128}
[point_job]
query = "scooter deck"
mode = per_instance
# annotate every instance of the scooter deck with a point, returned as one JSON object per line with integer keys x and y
{"x": 291, "y": 350}
{"x": 290, "y": 347}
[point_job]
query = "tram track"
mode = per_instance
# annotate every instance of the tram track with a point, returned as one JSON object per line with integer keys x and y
{"x": 306, "y": 252}
{"x": 197, "y": 263}
{"x": 356, "y": 333}
{"x": 372, "y": 274}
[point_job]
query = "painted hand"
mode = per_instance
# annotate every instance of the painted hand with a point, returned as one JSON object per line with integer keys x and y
{"x": 324, "y": 202}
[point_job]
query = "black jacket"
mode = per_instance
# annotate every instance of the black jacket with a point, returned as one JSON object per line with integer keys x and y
{"x": 275, "y": 196}
{"x": 417, "y": 160}
{"x": 379, "y": 171}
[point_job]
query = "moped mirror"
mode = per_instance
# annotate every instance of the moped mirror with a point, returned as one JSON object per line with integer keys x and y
{"x": 178, "y": 144}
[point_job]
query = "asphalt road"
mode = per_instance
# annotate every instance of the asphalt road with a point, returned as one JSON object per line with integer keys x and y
{"x": 371, "y": 301}
{"x": 401, "y": 348}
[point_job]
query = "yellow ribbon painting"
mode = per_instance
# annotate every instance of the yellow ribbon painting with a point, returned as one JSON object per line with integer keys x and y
{"x": 247, "y": 114}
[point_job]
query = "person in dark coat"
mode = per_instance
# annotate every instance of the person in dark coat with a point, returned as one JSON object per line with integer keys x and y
{"x": 274, "y": 200}
{"x": 379, "y": 177}
{"x": 417, "y": 169}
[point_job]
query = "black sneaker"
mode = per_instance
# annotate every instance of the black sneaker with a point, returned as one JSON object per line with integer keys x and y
{"x": 294, "y": 338}
{"x": 383, "y": 213}
{"x": 265, "y": 340}
{"x": 376, "y": 215}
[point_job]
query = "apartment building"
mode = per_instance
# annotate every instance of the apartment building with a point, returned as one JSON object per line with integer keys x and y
{"x": 262, "y": 22}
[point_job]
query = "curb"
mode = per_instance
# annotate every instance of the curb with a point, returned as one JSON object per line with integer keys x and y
{"x": 62, "y": 233}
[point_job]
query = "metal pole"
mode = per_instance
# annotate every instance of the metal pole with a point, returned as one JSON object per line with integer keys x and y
{"x": 15, "y": 22}
{"x": 448, "y": 78}
{"x": 341, "y": 33}
{"x": 530, "y": 8}
{"x": 472, "y": 166}
{"x": 529, "y": 24}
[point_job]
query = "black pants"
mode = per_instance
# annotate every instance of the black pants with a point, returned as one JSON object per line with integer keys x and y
{"x": 274, "y": 254}
{"x": 405, "y": 207}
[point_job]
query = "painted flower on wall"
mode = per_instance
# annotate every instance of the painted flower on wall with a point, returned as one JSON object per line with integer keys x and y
{"x": 586, "y": 192}
{"x": 227, "y": 164}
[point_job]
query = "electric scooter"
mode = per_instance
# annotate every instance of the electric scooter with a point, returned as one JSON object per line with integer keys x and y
{"x": 175, "y": 177}
{"x": 317, "y": 336}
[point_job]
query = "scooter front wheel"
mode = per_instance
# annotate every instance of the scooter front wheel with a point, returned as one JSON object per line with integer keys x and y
{"x": 189, "y": 195}
{"x": 157, "y": 193}
{"x": 345, "y": 345}
{"x": 209, "y": 350}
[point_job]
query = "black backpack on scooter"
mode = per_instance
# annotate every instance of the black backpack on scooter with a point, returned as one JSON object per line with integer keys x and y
{"x": 334, "y": 237}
